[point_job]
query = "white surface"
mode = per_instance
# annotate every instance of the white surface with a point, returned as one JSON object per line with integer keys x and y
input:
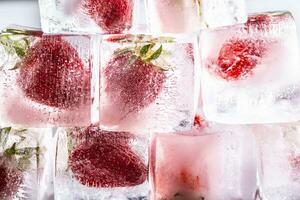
{"x": 26, "y": 12}
{"x": 19, "y": 12}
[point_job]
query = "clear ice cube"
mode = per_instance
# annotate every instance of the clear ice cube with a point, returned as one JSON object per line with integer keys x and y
{"x": 217, "y": 163}
{"x": 251, "y": 71}
{"x": 89, "y": 16}
{"x": 22, "y": 162}
{"x": 180, "y": 16}
{"x": 47, "y": 80}
{"x": 147, "y": 83}
{"x": 279, "y": 153}
{"x": 94, "y": 164}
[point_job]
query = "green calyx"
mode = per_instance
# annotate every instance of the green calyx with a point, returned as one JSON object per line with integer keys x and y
{"x": 147, "y": 53}
{"x": 141, "y": 38}
{"x": 21, "y": 155}
{"x": 15, "y": 42}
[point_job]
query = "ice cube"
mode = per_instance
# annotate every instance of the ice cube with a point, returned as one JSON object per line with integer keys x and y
{"x": 94, "y": 164}
{"x": 217, "y": 164}
{"x": 147, "y": 83}
{"x": 279, "y": 168}
{"x": 22, "y": 162}
{"x": 47, "y": 80}
{"x": 89, "y": 16}
{"x": 179, "y": 16}
{"x": 251, "y": 71}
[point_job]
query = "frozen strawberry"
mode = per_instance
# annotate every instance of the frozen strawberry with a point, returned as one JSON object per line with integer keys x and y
{"x": 190, "y": 51}
{"x": 119, "y": 37}
{"x": 113, "y": 16}
{"x": 94, "y": 133}
{"x": 295, "y": 161}
{"x": 132, "y": 81}
{"x": 106, "y": 161}
{"x": 11, "y": 178}
{"x": 15, "y": 159}
{"x": 198, "y": 121}
{"x": 258, "y": 22}
{"x": 53, "y": 74}
{"x": 263, "y": 22}
{"x": 189, "y": 181}
{"x": 238, "y": 57}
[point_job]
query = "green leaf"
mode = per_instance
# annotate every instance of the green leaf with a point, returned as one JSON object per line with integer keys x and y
{"x": 155, "y": 55}
{"x": 15, "y": 31}
{"x": 4, "y": 135}
{"x": 6, "y": 130}
{"x": 26, "y": 152}
{"x": 145, "y": 49}
{"x": 10, "y": 151}
{"x": 19, "y": 51}
{"x": 23, "y": 163}
{"x": 13, "y": 45}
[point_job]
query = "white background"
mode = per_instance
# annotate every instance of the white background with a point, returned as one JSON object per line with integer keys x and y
{"x": 26, "y": 12}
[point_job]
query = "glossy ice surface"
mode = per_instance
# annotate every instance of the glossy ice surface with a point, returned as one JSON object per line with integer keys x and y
{"x": 220, "y": 166}
{"x": 95, "y": 164}
{"x": 22, "y": 162}
{"x": 46, "y": 80}
{"x": 186, "y": 16}
{"x": 279, "y": 153}
{"x": 251, "y": 71}
{"x": 140, "y": 95}
{"x": 89, "y": 16}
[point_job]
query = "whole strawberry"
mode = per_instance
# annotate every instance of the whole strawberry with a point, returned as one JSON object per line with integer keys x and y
{"x": 52, "y": 73}
{"x": 113, "y": 16}
{"x": 11, "y": 178}
{"x": 132, "y": 81}
{"x": 238, "y": 57}
{"x": 106, "y": 161}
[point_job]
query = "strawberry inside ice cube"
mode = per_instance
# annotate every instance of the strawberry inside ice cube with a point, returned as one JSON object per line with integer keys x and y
{"x": 238, "y": 57}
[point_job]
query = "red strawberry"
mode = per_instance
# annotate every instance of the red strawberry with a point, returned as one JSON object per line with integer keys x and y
{"x": 119, "y": 37}
{"x": 132, "y": 82}
{"x": 106, "y": 161}
{"x": 11, "y": 179}
{"x": 295, "y": 161}
{"x": 238, "y": 57}
{"x": 94, "y": 133}
{"x": 113, "y": 16}
{"x": 198, "y": 121}
{"x": 264, "y": 21}
{"x": 190, "y": 51}
{"x": 258, "y": 22}
{"x": 53, "y": 74}
{"x": 189, "y": 181}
